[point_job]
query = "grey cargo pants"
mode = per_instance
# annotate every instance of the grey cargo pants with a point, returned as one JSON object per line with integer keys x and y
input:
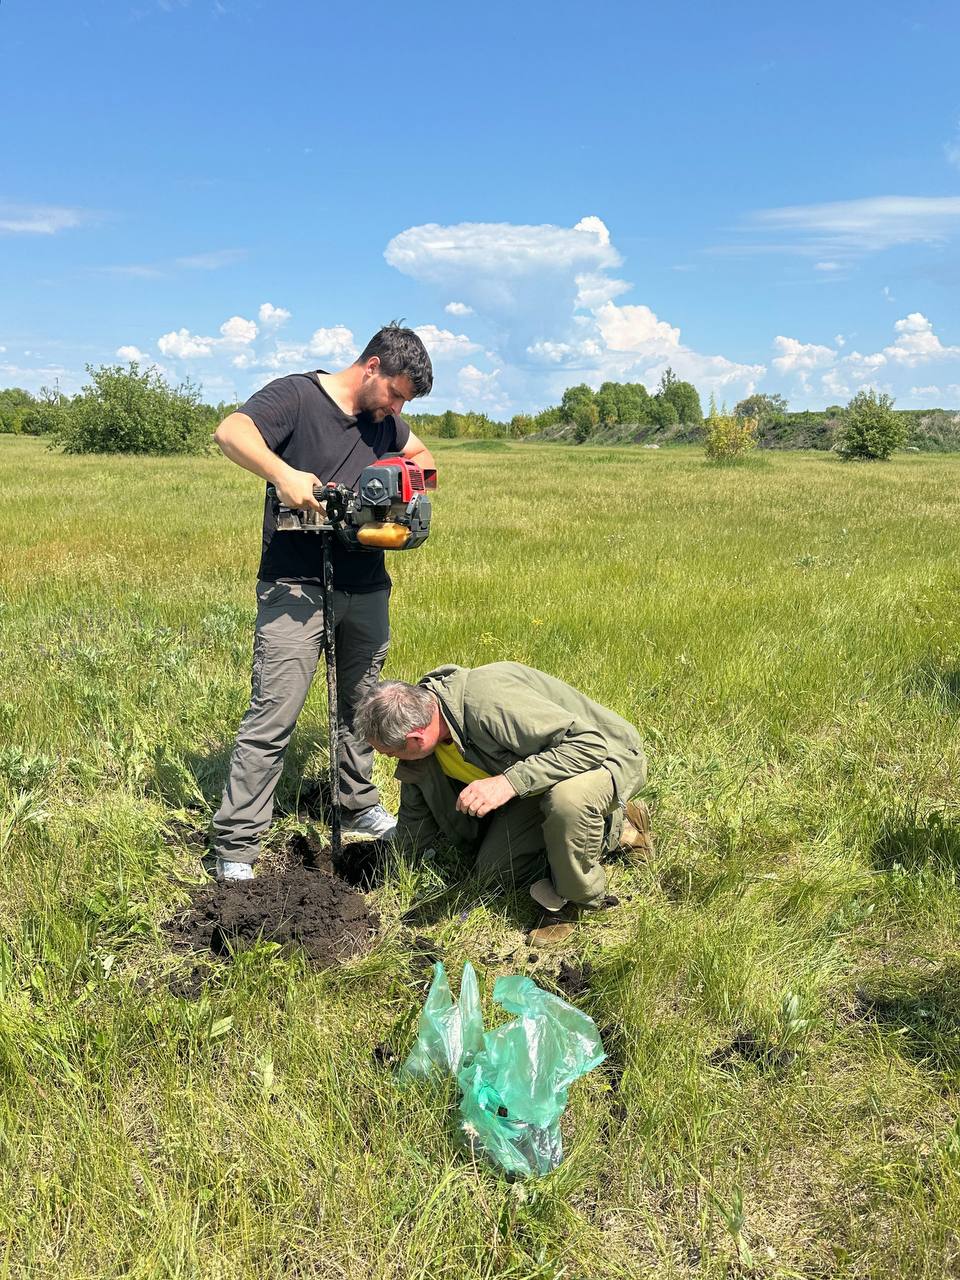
{"x": 563, "y": 833}
{"x": 287, "y": 646}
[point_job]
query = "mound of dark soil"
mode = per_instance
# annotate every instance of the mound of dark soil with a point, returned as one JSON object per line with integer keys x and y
{"x": 304, "y": 906}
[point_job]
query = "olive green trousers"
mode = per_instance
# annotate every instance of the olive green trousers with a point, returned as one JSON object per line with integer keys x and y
{"x": 562, "y": 833}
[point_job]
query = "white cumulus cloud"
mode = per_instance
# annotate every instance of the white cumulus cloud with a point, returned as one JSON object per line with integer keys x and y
{"x": 863, "y": 366}
{"x": 130, "y": 354}
{"x": 336, "y": 343}
{"x": 636, "y": 329}
{"x": 796, "y": 355}
{"x": 272, "y": 317}
{"x": 916, "y": 342}
{"x": 458, "y": 309}
{"x": 181, "y": 344}
{"x": 238, "y": 332}
{"x": 441, "y": 343}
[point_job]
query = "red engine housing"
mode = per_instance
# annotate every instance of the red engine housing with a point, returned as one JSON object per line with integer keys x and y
{"x": 410, "y": 478}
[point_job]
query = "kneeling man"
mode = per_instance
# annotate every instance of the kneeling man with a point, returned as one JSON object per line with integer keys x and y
{"x": 514, "y": 766}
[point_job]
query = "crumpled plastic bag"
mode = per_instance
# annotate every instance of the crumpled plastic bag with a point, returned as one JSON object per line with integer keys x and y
{"x": 515, "y": 1090}
{"x": 449, "y": 1030}
{"x": 513, "y": 1079}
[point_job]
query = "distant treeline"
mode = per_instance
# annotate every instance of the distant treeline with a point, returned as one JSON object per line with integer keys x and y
{"x": 581, "y": 414}
{"x": 626, "y": 413}
{"x": 617, "y": 413}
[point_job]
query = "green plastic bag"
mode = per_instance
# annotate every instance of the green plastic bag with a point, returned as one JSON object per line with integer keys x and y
{"x": 515, "y": 1089}
{"x": 450, "y": 1031}
{"x": 513, "y": 1079}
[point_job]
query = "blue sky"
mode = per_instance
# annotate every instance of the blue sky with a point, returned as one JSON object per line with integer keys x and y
{"x": 552, "y": 193}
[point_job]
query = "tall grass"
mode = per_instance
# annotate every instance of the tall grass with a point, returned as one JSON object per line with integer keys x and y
{"x": 778, "y": 990}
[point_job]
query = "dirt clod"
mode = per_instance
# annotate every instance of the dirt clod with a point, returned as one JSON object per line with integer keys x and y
{"x": 304, "y": 906}
{"x": 572, "y": 980}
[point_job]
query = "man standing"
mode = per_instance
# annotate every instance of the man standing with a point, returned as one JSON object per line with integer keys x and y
{"x": 299, "y": 432}
{"x": 518, "y": 768}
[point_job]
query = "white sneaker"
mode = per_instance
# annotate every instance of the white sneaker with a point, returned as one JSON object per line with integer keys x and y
{"x": 545, "y": 895}
{"x": 375, "y": 822}
{"x": 233, "y": 870}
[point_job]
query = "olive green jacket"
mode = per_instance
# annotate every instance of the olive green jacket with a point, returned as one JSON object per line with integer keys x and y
{"x": 535, "y": 730}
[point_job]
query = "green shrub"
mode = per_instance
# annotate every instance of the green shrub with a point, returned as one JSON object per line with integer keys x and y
{"x": 129, "y": 411}
{"x": 870, "y": 429}
{"x": 729, "y": 437}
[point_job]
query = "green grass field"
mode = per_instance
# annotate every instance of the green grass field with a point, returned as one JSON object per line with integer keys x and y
{"x": 780, "y": 987}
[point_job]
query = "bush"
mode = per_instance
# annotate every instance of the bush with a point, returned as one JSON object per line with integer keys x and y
{"x": 729, "y": 437}
{"x": 586, "y": 420}
{"x": 870, "y": 429}
{"x": 129, "y": 411}
{"x": 521, "y": 424}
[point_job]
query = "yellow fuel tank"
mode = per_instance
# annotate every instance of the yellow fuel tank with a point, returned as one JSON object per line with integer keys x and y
{"x": 387, "y": 534}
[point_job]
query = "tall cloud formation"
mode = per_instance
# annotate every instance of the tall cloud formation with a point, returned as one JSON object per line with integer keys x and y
{"x": 542, "y": 302}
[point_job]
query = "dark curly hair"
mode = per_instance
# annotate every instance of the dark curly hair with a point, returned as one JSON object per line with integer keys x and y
{"x": 401, "y": 353}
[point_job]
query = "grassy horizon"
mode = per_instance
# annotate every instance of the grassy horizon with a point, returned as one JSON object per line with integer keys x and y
{"x": 779, "y": 989}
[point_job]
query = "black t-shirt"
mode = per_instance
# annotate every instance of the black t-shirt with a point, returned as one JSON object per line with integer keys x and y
{"x": 303, "y": 426}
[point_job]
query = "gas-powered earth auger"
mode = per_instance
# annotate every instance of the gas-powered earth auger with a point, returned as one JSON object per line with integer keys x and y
{"x": 389, "y": 511}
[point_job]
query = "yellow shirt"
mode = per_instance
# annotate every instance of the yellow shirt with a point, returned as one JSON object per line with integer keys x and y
{"x": 453, "y": 764}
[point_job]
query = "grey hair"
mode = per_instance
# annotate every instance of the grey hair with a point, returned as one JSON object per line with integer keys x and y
{"x": 391, "y": 711}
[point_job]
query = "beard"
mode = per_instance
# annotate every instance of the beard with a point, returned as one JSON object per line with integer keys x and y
{"x": 369, "y": 402}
